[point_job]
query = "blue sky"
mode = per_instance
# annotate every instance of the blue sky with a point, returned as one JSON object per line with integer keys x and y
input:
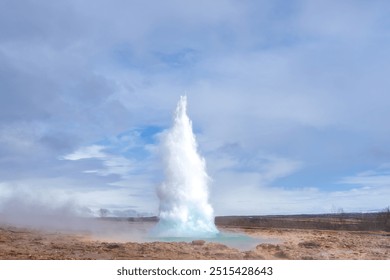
{"x": 289, "y": 102}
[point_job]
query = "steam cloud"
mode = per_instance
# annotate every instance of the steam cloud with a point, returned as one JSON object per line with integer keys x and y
{"x": 184, "y": 208}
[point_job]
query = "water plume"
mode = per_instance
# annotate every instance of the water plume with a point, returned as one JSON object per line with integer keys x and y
{"x": 184, "y": 208}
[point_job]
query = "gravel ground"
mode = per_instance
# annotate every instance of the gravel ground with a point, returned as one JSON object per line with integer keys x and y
{"x": 23, "y": 243}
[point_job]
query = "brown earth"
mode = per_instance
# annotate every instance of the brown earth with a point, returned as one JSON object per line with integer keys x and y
{"x": 22, "y": 243}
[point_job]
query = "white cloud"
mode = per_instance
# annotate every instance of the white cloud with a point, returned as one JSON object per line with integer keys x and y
{"x": 376, "y": 180}
{"x": 371, "y": 183}
{"x": 94, "y": 151}
{"x": 112, "y": 164}
{"x": 249, "y": 193}
{"x": 256, "y": 200}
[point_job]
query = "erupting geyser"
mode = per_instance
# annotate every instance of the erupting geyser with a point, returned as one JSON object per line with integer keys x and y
{"x": 184, "y": 207}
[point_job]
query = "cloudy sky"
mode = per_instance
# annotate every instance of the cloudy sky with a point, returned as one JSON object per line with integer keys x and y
{"x": 290, "y": 102}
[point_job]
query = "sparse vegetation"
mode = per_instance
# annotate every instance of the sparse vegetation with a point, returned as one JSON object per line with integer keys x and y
{"x": 384, "y": 218}
{"x": 341, "y": 215}
{"x": 339, "y": 220}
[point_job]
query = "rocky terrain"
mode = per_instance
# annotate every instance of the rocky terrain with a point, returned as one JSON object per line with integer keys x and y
{"x": 288, "y": 243}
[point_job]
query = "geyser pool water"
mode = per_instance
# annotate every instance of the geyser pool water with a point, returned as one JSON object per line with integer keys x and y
{"x": 184, "y": 210}
{"x": 232, "y": 239}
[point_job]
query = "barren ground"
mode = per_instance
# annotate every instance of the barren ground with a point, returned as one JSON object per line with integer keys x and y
{"x": 22, "y": 243}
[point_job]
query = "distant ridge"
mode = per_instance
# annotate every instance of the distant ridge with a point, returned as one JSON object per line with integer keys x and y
{"x": 372, "y": 221}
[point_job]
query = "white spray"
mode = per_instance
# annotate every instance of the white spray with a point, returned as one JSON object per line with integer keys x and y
{"x": 184, "y": 207}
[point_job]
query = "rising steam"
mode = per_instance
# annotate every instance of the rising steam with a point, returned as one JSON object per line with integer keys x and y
{"x": 184, "y": 207}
